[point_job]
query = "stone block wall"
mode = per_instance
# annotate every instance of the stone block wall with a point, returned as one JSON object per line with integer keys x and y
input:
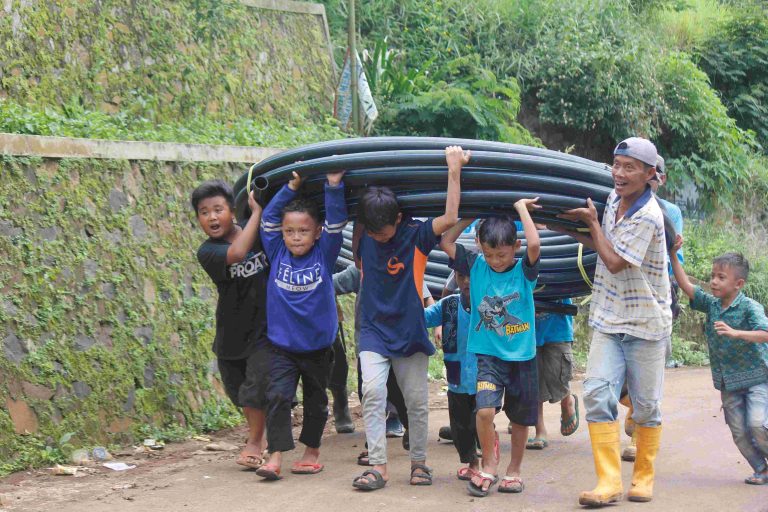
{"x": 168, "y": 60}
{"x": 106, "y": 315}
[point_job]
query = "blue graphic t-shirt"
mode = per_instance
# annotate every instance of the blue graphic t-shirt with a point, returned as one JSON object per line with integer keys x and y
{"x": 503, "y": 313}
{"x": 460, "y": 365}
{"x": 301, "y": 304}
{"x": 554, "y": 327}
{"x": 391, "y": 307}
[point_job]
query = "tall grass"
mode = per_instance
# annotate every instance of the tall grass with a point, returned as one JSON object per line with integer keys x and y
{"x": 689, "y": 24}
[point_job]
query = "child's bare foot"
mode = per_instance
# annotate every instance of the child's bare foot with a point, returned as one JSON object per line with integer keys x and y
{"x": 372, "y": 479}
{"x": 468, "y": 471}
{"x": 569, "y": 415}
{"x": 308, "y": 464}
{"x": 420, "y": 473}
{"x": 271, "y": 470}
{"x": 757, "y": 478}
{"x": 251, "y": 456}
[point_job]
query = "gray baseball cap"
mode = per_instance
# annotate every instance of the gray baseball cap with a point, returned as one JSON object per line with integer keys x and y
{"x": 661, "y": 167}
{"x": 639, "y": 148}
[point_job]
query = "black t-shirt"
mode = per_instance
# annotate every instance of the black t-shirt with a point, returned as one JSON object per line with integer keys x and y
{"x": 241, "y": 311}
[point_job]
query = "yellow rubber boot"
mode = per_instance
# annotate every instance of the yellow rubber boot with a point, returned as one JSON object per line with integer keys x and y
{"x": 605, "y": 450}
{"x": 648, "y": 439}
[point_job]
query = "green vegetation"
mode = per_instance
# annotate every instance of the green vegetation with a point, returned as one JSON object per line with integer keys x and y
{"x": 587, "y": 73}
{"x": 166, "y": 61}
{"x": 74, "y": 120}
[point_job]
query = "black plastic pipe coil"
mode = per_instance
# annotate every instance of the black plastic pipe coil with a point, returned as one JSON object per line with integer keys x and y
{"x": 497, "y": 175}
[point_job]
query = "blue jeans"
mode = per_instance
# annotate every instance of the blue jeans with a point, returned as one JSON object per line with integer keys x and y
{"x": 611, "y": 358}
{"x": 746, "y": 413}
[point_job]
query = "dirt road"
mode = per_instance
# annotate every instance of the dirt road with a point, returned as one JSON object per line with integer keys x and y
{"x": 699, "y": 469}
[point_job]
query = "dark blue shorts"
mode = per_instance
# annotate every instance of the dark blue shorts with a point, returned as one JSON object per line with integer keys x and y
{"x": 515, "y": 384}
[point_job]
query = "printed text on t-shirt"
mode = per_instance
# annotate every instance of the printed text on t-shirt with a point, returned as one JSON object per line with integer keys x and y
{"x": 298, "y": 280}
{"x": 250, "y": 266}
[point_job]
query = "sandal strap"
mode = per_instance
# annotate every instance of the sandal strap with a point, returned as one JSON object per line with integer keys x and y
{"x": 426, "y": 470}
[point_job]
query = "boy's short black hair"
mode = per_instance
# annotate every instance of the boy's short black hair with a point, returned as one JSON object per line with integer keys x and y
{"x": 303, "y": 205}
{"x": 734, "y": 260}
{"x": 213, "y": 188}
{"x": 378, "y": 208}
{"x": 497, "y": 231}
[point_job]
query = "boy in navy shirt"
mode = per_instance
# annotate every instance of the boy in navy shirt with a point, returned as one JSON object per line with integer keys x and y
{"x": 234, "y": 260}
{"x": 392, "y": 250}
{"x": 502, "y": 336}
{"x": 301, "y": 314}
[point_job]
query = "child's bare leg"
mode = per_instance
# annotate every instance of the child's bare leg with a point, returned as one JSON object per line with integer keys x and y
{"x": 275, "y": 460}
{"x": 541, "y": 429}
{"x": 311, "y": 456}
{"x": 519, "y": 436}
{"x": 486, "y": 433}
{"x": 567, "y": 407}
{"x": 256, "y": 419}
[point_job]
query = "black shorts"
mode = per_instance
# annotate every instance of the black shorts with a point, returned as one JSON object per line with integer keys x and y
{"x": 246, "y": 380}
{"x": 514, "y": 382}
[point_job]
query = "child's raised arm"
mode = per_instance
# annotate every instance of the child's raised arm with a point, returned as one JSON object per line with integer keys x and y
{"x": 272, "y": 218}
{"x": 448, "y": 241}
{"x": 238, "y": 250}
{"x": 677, "y": 268}
{"x": 532, "y": 240}
{"x": 456, "y": 159}
{"x": 335, "y": 218}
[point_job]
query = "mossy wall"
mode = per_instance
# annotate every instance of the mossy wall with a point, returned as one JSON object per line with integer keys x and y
{"x": 106, "y": 314}
{"x": 166, "y": 60}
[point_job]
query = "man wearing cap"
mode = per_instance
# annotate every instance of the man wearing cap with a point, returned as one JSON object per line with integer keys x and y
{"x": 675, "y": 216}
{"x": 631, "y": 320}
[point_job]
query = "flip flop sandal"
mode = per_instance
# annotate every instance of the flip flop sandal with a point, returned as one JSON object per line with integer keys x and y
{"x": 365, "y": 484}
{"x": 757, "y": 479}
{"x": 306, "y": 468}
{"x": 269, "y": 472}
{"x": 516, "y": 485}
{"x": 250, "y": 461}
{"x": 478, "y": 491}
{"x": 465, "y": 473}
{"x": 569, "y": 427}
{"x": 363, "y": 459}
{"x": 536, "y": 443}
{"x": 425, "y": 474}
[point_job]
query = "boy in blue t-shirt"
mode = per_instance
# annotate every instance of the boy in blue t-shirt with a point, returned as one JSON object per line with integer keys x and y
{"x": 502, "y": 336}
{"x": 391, "y": 251}
{"x": 554, "y": 362}
{"x": 301, "y": 316}
{"x": 452, "y": 313}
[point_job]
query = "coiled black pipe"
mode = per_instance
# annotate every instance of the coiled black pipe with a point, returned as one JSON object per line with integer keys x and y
{"x": 497, "y": 176}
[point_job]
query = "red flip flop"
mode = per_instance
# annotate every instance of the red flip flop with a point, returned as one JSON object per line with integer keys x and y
{"x": 306, "y": 468}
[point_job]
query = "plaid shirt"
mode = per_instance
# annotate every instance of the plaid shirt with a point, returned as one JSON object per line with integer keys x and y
{"x": 736, "y": 364}
{"x": 635, "y": 301}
